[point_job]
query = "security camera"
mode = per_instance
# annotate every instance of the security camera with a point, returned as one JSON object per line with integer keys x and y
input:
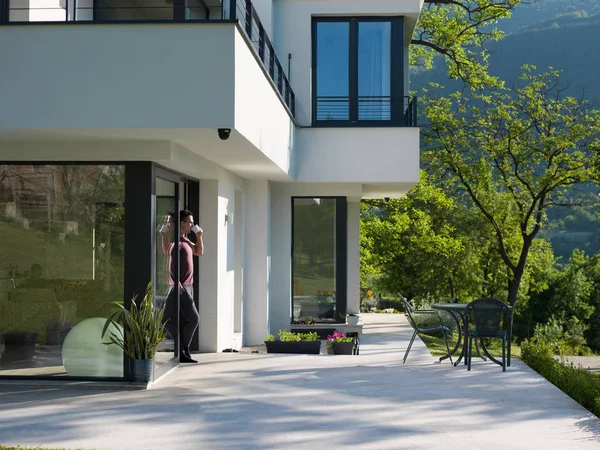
{"x": 224, "y": 133}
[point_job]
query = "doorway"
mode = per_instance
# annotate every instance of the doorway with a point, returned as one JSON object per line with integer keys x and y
{"x": 173, "y": 193}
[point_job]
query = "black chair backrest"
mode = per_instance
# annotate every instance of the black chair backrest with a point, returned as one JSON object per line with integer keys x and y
{"x": 488, "y": 313}
{"x": 409, "y": 310}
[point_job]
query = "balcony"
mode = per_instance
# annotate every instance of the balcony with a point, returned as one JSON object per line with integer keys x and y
{"x": 241, "y": 12}
{"x": 366, "y": 111}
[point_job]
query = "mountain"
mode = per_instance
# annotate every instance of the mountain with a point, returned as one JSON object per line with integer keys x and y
{"x": 562, "y": 34}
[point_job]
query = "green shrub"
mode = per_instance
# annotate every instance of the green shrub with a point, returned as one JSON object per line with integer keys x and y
{"x": 580, "y": 385}
{"x": 288, "y": 336}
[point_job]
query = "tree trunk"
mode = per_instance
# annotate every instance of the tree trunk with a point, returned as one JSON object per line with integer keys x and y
{"x": 518, "y": 271}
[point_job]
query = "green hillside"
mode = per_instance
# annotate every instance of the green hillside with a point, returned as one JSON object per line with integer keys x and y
{"x": 562, "y": 34}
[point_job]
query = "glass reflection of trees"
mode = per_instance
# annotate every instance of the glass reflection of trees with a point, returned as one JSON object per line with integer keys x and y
{"x": 61, "y": 243}
{"x": 314, "y": 261}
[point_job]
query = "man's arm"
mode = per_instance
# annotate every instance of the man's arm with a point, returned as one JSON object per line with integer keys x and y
{"x": 164, "y": 236}
{"x": 199, "y": 245}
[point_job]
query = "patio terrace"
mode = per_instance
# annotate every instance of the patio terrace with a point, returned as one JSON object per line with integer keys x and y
{"x": 262, "y": 401}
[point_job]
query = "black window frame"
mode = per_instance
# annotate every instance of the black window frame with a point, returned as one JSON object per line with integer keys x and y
{"x": 397, "y": 57}
{"x": 341, "y": 256}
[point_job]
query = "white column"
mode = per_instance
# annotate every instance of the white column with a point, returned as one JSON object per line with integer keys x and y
{"x": 353, "y": 283}
{"x": 256, "y": 307}
{"x": 209, "y": 266}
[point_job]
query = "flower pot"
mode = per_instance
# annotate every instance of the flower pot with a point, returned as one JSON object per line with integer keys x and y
{"x": 141, "y": 370}
{"x": 352, "y": 320}
{"x": 19, "y": 346}
{"x": 298, "y": 347}
{"x": 342, "y": 348}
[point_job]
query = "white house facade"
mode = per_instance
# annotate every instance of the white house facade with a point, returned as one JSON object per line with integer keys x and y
{"x": 268, "y": 119}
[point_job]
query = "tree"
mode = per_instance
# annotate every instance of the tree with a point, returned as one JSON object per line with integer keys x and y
{"x": 458, "y": 30}
{"x": 426, "y": 244}
{"x": 513, "y": 154}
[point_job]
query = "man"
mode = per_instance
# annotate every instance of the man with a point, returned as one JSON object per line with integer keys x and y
{"x": 187, "y": 308}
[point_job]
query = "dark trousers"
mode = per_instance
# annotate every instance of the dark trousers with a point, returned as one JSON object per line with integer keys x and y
{"x": 188, "y": 315}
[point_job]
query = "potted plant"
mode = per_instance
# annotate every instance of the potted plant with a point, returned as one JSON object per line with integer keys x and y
{"x": 340, "y": 344}
{"x": 352, "y": 318}
{"x": 141, "y": 333}
{"x": 290, "y": 342}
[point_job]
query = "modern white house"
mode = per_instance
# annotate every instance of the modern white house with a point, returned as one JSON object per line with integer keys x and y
{"x": 269, "y": 119}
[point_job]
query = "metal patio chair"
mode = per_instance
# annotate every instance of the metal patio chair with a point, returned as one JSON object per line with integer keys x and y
{"x": 413, "y": 315}
{"x": 487, "y": 317}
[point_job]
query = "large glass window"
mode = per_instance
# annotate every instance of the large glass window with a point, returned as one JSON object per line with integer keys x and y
{"x": 318, "y": 259}
{"x": 332, "y": 76}
{"x": 61, "y": 267}
{"x": 358, "y": 71}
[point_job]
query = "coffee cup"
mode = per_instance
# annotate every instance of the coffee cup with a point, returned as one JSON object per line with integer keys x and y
{"x": 195, "y": 228}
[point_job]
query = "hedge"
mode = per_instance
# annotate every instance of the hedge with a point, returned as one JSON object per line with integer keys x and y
{"x": 579, "y": 384}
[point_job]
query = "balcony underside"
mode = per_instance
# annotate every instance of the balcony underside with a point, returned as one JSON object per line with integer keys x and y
{"x": 199, "y": 153}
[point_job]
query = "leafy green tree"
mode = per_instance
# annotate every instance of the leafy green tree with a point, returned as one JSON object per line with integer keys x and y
{"x": 426, "y": 244}
{"x": 513, "y": 153}
{"x": 458, "y": 30}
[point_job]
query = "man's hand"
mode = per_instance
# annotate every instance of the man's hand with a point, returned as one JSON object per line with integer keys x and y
{"x": 166, "y": 227}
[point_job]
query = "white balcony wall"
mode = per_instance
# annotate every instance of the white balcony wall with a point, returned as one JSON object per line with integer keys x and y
{"x": 175, "y": 82}
{"x": 117, "y": 76}
{"x": 359, "y": 155}
{"x": 260, "y": 116}
{"x": 292, "y": 26}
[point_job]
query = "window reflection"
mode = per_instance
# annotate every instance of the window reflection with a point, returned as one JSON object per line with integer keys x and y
{"x": 374, "y": 57}
{"x": 332, "y": 74}
{"x": 61, "y": 262}
{"x": 314, "y": 261}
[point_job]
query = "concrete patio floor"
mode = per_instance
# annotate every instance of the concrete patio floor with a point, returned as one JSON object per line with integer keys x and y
{"x": 259, "y": 401}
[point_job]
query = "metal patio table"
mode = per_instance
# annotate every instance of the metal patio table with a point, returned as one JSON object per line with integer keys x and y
{"x": 460, "y": 313}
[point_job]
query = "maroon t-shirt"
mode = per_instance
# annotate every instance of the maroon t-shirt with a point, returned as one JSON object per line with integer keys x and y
{"x": 186, "y": 262}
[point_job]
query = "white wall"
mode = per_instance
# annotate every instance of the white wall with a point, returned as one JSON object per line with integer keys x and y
{"x": 221, "y": 265}
{"x": 292, "y": 25}
{"x": 117, "y": 76}
{"x": 259, "y": 114}
{"x": 209, "y": 267}
{"x": 363, "y": 155}
{"x": 353, "y": 266}
{"x": 281, "y": 244}
{"x": 264, "y": 9}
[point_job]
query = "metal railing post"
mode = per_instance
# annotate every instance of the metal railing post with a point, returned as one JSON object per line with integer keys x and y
{"x": 232, "y": 9}
{"x": 249, "y": 15}
{"x": 261, "y": 42}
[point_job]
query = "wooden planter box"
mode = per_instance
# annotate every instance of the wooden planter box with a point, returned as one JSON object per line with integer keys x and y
{"x": 298, "y": 347}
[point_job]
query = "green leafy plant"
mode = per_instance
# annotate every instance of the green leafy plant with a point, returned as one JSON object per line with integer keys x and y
{"x": 141, "y": 328}
{"x": 580, "y": 385}
{"x": 288, "y": 336}
{"x": 269, "y": 338}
